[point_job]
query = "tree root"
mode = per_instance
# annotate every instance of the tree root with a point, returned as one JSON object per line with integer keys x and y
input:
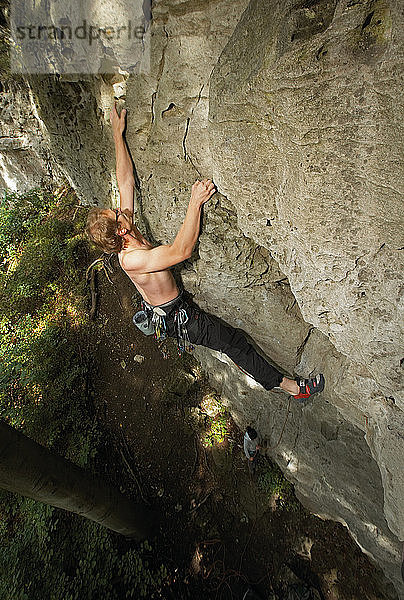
{"x": 91, "y": 278}
{"x": 93, "y": 290}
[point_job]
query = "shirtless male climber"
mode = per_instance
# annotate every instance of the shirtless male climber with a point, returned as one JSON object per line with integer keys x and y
{"x": 148, "y": 268}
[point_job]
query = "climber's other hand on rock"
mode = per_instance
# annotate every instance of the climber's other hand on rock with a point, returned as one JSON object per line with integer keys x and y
{"x": 202, "y": 191}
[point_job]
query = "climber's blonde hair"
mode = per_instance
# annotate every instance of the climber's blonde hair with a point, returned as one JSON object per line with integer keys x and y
{"x": 103, "y": 231}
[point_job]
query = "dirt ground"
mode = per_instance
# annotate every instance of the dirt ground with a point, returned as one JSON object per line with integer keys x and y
{"x": 220, "y": 531}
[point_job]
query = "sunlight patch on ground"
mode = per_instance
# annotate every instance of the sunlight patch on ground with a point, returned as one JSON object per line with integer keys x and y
{"x": 217, "y": 432}
{"x": 14, "y": 260}
{"x": 62, "y": 307}
{"x": 40, "y": 326}
{"x": 211, "y": 404}
{"x": 64, "y": 304}
{"x": 215, "y": 418}
{"x": 195, "y": 566}
{"x": 197, "y": 372}
{"x": 35, "y": 392}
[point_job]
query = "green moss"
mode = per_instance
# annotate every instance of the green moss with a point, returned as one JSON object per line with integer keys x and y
{"x": 273, "y": 484}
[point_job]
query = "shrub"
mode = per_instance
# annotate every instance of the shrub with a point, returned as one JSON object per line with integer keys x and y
{"x": 43, "y": 323}
{"x": 47, "y": 553}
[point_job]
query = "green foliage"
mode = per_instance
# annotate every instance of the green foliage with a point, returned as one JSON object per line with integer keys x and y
{"x": 19, "y": 215}
{"x": 47, "y": 553}
{"x": 45, "y": 353}
{"x": 41, "y": 245}
{"x": 43, "y": 327}
{"x": 218, "y": 430}
{"x": 271, "y": 482}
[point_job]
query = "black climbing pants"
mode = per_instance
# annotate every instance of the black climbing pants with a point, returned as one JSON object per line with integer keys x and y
{"x": 207, "y": 330}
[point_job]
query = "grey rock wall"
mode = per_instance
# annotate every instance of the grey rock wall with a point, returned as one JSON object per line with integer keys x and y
{"x": 306, "y": 100}
{"x": 25, "y": 159}
{"x": 295, "y": 110}
{"x": 72, "y": 108}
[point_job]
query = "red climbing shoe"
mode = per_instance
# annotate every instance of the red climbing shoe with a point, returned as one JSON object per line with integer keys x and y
{"x": 311, "y": 386}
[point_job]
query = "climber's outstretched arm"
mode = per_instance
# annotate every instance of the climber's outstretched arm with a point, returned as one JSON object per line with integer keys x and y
{"x": 165, "y": 256}
{"x": 124, "y": 165}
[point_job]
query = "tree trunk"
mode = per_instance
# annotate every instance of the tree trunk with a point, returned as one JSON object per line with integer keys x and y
{"x": 34, "y": 471}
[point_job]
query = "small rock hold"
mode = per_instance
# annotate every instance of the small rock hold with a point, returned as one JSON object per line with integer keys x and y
{"x": 119, "y": 89}
{"x": 139, "y": 358}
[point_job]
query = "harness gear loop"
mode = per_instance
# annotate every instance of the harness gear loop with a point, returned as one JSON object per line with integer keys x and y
{"x": 183, "y": 342}
{"x": 159, "y": 322}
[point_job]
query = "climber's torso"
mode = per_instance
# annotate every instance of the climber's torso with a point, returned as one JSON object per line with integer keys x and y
{"x": 155, "y": 288}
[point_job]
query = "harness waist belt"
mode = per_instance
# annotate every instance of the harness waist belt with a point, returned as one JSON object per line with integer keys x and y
{"x": 166, "y": 308}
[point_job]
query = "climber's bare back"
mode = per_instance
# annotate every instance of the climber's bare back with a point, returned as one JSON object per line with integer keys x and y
{"x": 147, "y": 267}
{"x": 155, "y": 288}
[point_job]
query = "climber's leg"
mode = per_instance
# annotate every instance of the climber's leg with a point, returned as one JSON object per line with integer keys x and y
{"x": 207, "y": 330}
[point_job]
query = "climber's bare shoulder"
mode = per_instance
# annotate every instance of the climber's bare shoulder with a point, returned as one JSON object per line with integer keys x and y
{"x": 156, "y": 287}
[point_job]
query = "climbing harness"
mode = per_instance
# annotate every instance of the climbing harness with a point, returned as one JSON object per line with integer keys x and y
{"x": 157, "y": 323}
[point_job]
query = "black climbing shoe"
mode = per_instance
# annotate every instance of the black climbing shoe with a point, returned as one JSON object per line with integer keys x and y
{"x": 309, "y": 387}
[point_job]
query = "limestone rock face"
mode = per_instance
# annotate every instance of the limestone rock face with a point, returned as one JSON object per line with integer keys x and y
{"x": 79, "y": 142}
{"x": 308, "y": 97}
{"x": 295, "y": 110}
{"x": 304, "y": 96}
